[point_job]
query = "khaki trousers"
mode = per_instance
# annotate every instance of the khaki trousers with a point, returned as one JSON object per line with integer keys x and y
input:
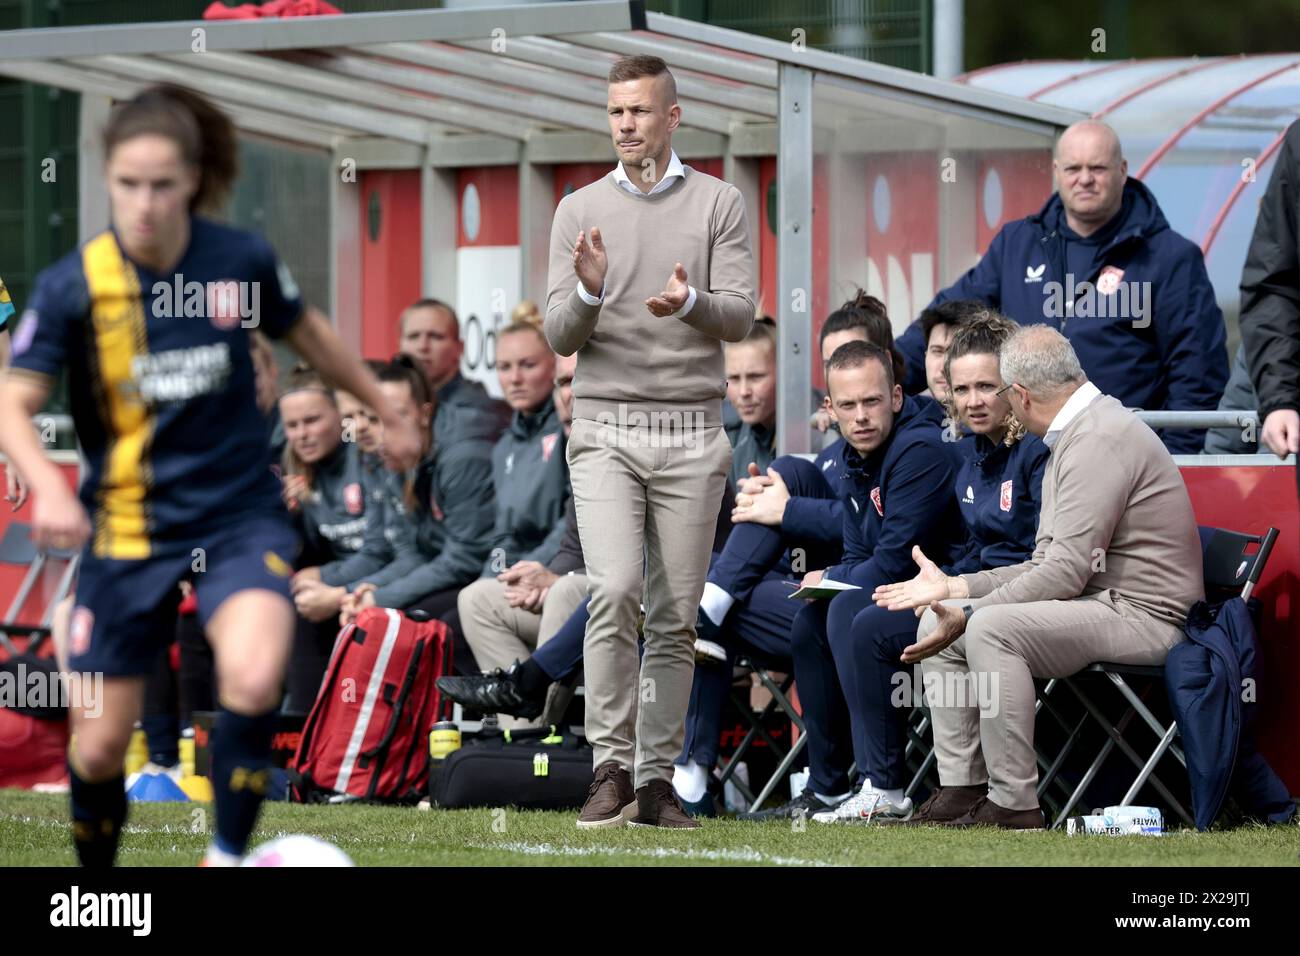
{"x": 647, "y": 506}
{"x": 983, "y": 691}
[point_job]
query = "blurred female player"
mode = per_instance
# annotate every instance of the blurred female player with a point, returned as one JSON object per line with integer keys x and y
{"x": 151, "y": 320}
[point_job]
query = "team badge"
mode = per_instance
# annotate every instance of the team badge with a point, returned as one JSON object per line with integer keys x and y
{"x": 1108, "y": 281}
{"x": 224, "y": 304}
{"x": 875, "y": 500}
{"x": 353, "y": 499}
{"x": 276, "y": 565}
{"x": 1005, "y": 502}
{"x": 548, "y": 445}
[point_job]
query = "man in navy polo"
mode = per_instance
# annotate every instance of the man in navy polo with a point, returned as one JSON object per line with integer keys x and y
{"x": 897, "y": 489}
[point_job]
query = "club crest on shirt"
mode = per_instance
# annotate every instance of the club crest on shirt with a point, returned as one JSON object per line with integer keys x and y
{"x": 224, "y": 304}
{"x": 548, "y": 445}
{"x": 353, "y": 499}
{"x": 875, "y": 500}
{"x": 1108, "y": 281}
{"x": 433, "y": 508}
{"x": 83, "y": 625}
{"x": 1005, "y": 501}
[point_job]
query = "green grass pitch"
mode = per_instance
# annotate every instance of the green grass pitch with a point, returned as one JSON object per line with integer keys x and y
{"x": 34, "y": 832}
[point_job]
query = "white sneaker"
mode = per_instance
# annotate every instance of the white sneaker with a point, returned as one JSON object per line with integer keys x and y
{"x": 709, "y": 651}
{"x": 866, "y": 805}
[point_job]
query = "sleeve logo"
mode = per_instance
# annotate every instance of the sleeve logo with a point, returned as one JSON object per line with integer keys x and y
{"x": 288, "y": 288}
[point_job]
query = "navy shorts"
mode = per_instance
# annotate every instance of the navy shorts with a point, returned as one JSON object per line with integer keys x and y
{"x": 126, "y": 609}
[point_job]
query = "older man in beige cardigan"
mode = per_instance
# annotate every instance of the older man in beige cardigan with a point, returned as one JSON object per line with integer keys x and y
{"x": 1116, "y": 566}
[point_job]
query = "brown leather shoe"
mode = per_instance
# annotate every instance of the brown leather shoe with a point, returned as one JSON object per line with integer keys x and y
{"x": 947, "y": 804}
{"x": 986, "y": 813}
{"x": 611, "y": 801}
{"x": 658, "y": 806}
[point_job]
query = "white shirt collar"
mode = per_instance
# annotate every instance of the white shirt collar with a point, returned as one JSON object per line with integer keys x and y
{"x": 1083, "y": 397}
{"x": 673, "y": 173}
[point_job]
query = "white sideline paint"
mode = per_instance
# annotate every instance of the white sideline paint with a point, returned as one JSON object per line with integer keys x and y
{"x": 741, "y": 855}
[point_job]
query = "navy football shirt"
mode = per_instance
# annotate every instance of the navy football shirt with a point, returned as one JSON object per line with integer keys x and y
{"x": 161, "y": 381}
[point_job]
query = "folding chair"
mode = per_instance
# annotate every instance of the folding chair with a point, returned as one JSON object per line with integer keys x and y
{"x": 16, "y": 548}
{"x": 919, "y": 755}
{"x": 780, "y": 701}
{"x": 1228, "y": 568}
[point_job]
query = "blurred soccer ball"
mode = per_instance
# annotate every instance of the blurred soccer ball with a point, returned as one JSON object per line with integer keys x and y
{"x": 297, "y": 850}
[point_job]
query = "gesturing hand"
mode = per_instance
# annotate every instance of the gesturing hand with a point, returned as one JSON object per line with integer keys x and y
{"x": 673, "y": 297}
{"x": 929, "y": 585}
{"x": 589, "y": 261}
{"x": 952, "y": 625}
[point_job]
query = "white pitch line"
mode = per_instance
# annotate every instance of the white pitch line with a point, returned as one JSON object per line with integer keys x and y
{"x": 66, "y": 824}
{"x": 741, "y": 855}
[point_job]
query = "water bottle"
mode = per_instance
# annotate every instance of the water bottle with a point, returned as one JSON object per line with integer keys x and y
{"x": 1118, "y": 821}
{"x": 444, "y": 739}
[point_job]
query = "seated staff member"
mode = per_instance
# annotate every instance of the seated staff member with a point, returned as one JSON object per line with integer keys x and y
{"x": 897, "y": 492}
{"x": 322, "y": 487}
{"x": 430, "y": 333}
{"x": 1110, "y": 487}
{"x": 529, "y": 469}
{"x": 998, "y": 490}
{"x": 529, "y": 478}
{"x": 825, "y": 428}
{"x": 319, "y": 590}
{"x": 751, "y": 388}
{"x": 448, "y": 501}
{"x": 999, "y": 486}
{"x": 530, "y": 472}
{"x": 320, "y": 472}
{"x": 794, "y": 504}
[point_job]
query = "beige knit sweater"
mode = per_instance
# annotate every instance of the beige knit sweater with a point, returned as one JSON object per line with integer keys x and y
{"x": 630, "y": 360}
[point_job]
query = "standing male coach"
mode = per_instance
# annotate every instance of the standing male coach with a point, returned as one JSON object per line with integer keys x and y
{"x": 651, "y": 271}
